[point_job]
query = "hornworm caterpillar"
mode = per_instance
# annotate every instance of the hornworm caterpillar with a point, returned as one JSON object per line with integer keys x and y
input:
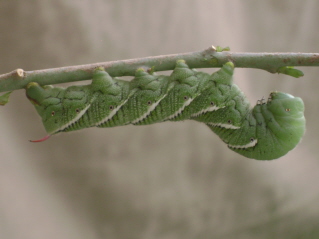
{"x": 267, "y": 131}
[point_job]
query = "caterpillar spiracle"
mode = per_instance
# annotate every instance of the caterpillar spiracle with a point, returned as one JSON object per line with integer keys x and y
{"x": 267, "y": 131}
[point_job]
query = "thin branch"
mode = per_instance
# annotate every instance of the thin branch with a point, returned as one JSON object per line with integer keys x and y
{"x": 208, "y": 58}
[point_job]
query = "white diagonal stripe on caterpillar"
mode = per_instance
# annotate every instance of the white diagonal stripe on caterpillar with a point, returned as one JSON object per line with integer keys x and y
{"x": 246, "y": 146}
{"x": 180, "y": 110}
{"x": 147, "y": 113}
{"x": 209, "y": 109}
{"x": 113, "y": 112}
{"x": 226, "y": 126}
{"x": 79, "y": 115}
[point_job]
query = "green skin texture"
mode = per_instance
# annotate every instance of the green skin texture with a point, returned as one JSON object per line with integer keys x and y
{"x": 267, "y": 131}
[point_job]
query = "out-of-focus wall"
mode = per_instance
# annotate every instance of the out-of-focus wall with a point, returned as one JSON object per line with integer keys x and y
{"x": 169, "y": 180}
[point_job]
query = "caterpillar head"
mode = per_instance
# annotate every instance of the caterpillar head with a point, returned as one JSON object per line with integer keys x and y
{"x": 285, "y": 105}
{"x": 278, "y": 127}
{"x": 288, "y": 113}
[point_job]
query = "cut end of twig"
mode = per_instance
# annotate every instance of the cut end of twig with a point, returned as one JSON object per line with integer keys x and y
{"x": 20, "y": 72}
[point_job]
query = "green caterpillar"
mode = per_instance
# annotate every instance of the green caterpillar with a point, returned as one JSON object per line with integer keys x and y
{"x": 267, "y": 131}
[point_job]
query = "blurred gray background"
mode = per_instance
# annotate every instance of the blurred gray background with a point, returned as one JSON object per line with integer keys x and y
{"x": 169, "y": 180}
